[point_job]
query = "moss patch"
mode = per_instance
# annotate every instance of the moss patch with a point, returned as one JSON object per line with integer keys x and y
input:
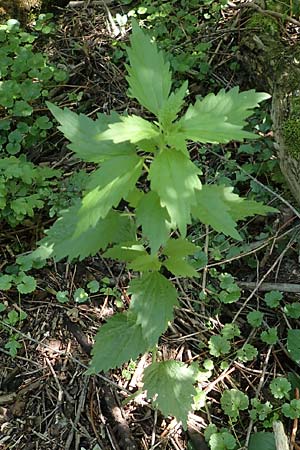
{"x": 291, "y": 134}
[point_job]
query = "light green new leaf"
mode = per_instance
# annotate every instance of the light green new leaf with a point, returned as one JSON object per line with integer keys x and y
{"x": 212, "y": 210}
{"x": 149, "y": 76}
{"x": 154, "y": 220}
{"x": 173, "y": 105}
{"x": 108, "y": 185}
{"x": 175, "y": 179}
{"x": 153, "y": 300}
{"x": 220, "y": 118}
{"x": 172, "y": 382}
{"x": 60, "y": 241}
{"x": 84, "y": 133}
{"x": 132, "y": 128}
{"x": 240, "y": 208}
{"x": 117, "y": 341}
{"x": 127, "y": 251}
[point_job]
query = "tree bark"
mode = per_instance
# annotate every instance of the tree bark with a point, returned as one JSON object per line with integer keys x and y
{"x": 273, "y": 64}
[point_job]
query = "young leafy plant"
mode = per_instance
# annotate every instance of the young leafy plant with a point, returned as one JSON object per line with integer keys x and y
{"x": 146, "y": 166}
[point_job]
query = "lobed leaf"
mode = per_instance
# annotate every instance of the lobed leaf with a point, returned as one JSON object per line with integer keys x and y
{"x": 84, "y": 134}
{"x": 175, "y": 179}
{"x": 220, "y": 118}
{"x": 117, "y": 341}
{"x": 153, "y": 300}
{"x": 132, "y": 128}
{"x": 149, "y": 75}
{"x": 172, "y": 382}
{"x": 108, "y": 185}
{"x": 60, "y": 241}
{"x": 154, "y": 220}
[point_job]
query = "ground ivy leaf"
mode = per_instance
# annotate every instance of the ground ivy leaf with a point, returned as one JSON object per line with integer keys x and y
{"x": 132, "y": 128}
{"x": 172, "y": 382}
{"x": 154, "y": 220}
{"x": 149, "y": 76}
{"x": 220, "y": 118}
{"x": 175, "y": 179}
{"x": 60, "y": 241}
{"x": 27, "y": 285}
{"x": 108, "y": 185}
{"x": 153, "y": 300}
{"x": 109, "y": 351}
{"x": 84, "y": 133}
{"x": 212, "y": 210}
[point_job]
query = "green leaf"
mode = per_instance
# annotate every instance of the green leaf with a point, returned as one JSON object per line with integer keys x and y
{"x": 173, "y": 105}
{"x": 5, "y": 282}
{"x": 262, "y": 440}
{"x": 269, "y": 336}
{"x": 12, "y": 346}
{"x": 127, "y": 251}
{"x": 255, "y": 318}
{"x": 212, "y": 210}
{"x": 232, "y": 401}
{"x": 154, "y": 220}
{"x": 61, "y": 242}
{"x": 175, "y": 179}
{"x": 27, "y": 285}
{"x": 273, "y": 298}
{"x": 93, "y": 286}
{"x": 292, "y": 310}
{"x": 153, "y": 300}
{"x": 218, "y": 345}
{"x": 293, "y": 344}
{"x": 172, "y": 382}
{"x": 84, "y": 133}
{"x": 145, "y": 263}
{"x": 240, "y": 208}
{"x": 177, "y": 250}
{"x": 117, "y": 341}
{"x": 180, "y": 268}
{"x": 149, "y": 76}
{"x": 292, "y": 409}
{"x": 132, "y": 128}
{"x": 80, "y": 296}
{"x": 220, "y": 118}
{"x": 108, "y": 185}
{"x": 280, "y": 387}
{"x": 222, "y": 441}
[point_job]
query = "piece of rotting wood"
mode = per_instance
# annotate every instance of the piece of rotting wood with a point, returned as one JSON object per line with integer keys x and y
{"x": 281, "y": 439}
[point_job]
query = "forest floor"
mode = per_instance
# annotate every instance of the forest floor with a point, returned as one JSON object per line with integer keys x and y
{"x": 46, "y": 400}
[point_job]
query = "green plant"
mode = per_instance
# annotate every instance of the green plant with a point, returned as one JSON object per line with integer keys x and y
{"x": 25, "y": 80}
{"x": 233, "y": 401}
{"x": 12, "y": 318}
{"x": 146, "y": 166}
{"x": 24, "y": 188}
{"x": 280, "y": 387}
